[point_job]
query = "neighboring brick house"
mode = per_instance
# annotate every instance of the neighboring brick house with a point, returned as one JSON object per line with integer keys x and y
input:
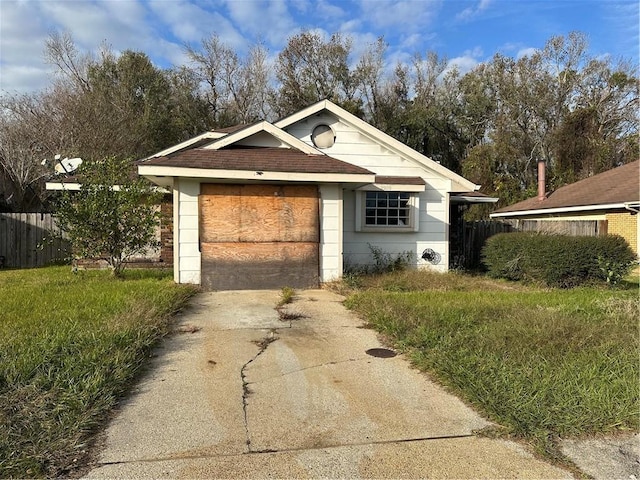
{"x": 613, "y": 196}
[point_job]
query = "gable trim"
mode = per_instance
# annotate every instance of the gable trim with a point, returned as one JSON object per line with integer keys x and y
{"x": 267, "y": 127}
{"x": 180, "y": 146}
{"x": 460, "y": 183}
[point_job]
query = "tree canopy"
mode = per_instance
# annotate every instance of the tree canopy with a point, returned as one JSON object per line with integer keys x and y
{"x": 114, "y": 216}
{"x": 560, "y": 105}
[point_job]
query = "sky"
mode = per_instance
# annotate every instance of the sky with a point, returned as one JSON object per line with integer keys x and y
{"x": 466, "y": 32}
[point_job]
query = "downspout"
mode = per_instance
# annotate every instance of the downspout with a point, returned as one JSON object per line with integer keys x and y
{"x": 633, "y": 207}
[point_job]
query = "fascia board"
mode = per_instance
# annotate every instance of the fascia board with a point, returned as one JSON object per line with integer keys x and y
{"x": 545, "y": 211}
{"x": 154, "y": 170}
{"x": 267, "y": 127}
{"x": 377, "y": 135}
{"x": 186, "y": 143}
{"x": 62, "y": 186}
{"x": 474, "y": 199}
{"x": 75, "y": 187}
{"x": 393, "y": 187}
{"x": 304, "y": 113}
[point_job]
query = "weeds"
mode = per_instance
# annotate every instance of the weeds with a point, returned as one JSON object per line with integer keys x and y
{"x": 542, "y": 363}
{"x": 287, "y": 295}
{"x": 70, "y": 346}
{"x": 382, "y": 262}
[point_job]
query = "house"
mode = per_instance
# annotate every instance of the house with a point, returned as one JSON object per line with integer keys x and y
{"x": 612, "y": 196}
{"x": 295, "y": 202}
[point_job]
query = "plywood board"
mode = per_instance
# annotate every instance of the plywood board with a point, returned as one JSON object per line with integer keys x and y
{"x": 259, "y": 213}
{"x": 219, "y": 206}
{"x": 240, "y": 266}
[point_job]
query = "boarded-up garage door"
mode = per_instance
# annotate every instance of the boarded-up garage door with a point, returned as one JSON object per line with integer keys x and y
{"x": 259, "y": 236}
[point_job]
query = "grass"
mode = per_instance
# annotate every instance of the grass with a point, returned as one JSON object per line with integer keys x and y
{"x": 542, "y": 363}
{"x": 286, "y": 296}
{"x": 70, "y": 346}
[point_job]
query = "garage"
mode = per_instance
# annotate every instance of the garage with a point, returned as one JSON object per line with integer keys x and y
{"x": 259, "y": 236}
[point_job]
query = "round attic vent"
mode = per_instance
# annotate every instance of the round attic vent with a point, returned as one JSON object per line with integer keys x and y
{"x": 323, "y": 137}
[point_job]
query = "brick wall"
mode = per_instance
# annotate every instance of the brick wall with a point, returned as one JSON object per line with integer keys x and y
{"x": 166, "y": 230}
{"x": 625, "y": 225}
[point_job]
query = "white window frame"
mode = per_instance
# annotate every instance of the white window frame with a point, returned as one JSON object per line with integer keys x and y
{"x": 414, "y": 215}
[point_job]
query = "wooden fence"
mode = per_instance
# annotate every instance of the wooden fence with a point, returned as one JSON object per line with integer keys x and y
{"x": 476, "y": 234}
{"x": 30, "y": 240}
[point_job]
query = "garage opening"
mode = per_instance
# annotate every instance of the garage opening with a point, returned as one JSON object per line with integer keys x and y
{"x": 259, "y": 236}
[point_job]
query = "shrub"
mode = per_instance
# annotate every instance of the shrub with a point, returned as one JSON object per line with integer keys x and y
{"x": 558, "y": 260}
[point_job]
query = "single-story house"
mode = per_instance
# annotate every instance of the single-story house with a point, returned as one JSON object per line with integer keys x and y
{"x": 612, "y": 196}
{"x": 296, "y": 202}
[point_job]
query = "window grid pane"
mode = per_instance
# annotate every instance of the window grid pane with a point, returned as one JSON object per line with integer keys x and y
{"x": 387, "y": 209}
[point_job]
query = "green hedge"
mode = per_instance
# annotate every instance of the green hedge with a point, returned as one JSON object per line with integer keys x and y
{"x": 558, "y": 260}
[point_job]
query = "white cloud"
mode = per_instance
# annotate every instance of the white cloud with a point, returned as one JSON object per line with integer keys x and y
{"x": 463, "y": 64}
{"x": 526, "y": 52}
{"x": 263, "y": 19}
{"x": 408, "y": 15}
{"x": 475, "y": 52}
{"x": 189, "y": 23}
{"x": 470, "y": 13}
{"x": 327, "y": 10}
{"x": 349, "y": 26}
{"x": 22, "y": 65}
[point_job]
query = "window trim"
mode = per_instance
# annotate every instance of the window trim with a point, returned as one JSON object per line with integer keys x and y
{"x": 414, "y": 215}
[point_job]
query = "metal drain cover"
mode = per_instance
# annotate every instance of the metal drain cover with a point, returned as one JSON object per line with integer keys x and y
{"x": 381, "y": 352}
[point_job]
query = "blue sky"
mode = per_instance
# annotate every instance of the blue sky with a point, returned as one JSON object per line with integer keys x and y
{"x": 467, "y": 32}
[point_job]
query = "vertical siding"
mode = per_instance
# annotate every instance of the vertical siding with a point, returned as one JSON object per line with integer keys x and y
{"x": 188, "y": 251}
{"x": 330, "y": 232}
{"x": 30, "y": 240}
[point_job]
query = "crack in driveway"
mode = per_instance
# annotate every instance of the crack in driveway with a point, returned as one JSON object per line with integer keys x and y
{"x": 310, "y": 367}
{"x": 329, "y": 446}
{"x": 246, "y": 391}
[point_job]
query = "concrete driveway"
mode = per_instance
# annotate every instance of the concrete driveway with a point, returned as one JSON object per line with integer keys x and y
{"x": 253, "y": 395}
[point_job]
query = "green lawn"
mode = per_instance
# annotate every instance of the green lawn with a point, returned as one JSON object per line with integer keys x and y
{"x": 542, "y": 363}
{"x": 70, "y": 346}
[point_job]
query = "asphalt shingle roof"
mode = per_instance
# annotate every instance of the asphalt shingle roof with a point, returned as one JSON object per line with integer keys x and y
{"x": 615, "y": 186}
{"x": 268, "y": 159}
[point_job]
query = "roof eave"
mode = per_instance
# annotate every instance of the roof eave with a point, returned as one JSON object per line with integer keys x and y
{"x": 152, "y": 171}
{"x": 546, "y": 211}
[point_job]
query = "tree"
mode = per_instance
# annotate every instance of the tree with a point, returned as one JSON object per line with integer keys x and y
{"x": 113, "y": 217}
{"x": 121, "y": 104}
{"x": 236, "y": 90}
{"x": 576, "y": 114}
{"x": 30, "y": 131}
{"x": 310, "y": 69}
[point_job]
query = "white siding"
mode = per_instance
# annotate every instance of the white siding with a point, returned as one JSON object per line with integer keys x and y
{"x": 330, "y": 232}
{"x": 186, "y": 236}
{"x": 353, "y": 147}
{"x": 433, "y": 234}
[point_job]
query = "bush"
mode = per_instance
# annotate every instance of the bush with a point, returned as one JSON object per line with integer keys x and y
{"x": 558, "y": 260}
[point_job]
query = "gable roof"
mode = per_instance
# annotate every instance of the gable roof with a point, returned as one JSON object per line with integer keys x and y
{"x": 459, "y": 183}
{"x": 615, "y": 188}
{"x": 264, "y": 126}
{"x": 257, "y": 159}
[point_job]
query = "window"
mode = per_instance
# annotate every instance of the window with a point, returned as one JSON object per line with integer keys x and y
{"x": 383, "y": 209}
